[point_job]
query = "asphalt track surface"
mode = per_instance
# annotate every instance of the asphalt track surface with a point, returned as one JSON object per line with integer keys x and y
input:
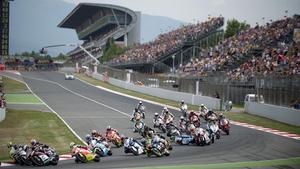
{"x": 85, "y": 107}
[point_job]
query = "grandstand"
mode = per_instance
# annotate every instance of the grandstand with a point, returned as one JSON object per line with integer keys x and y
{"x": 96, "y": 23}
{"x": 172, "y": 49}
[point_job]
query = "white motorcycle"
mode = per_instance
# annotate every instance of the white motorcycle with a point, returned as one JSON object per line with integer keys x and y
{"x": 202, "y": 137}
{"x": 133, "y": 147}
{"x": 159, "y": 123}
{"x": 214, "y": 131}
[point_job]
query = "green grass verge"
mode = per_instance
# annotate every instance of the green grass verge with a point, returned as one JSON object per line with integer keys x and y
{"x": 241, "y": 117}
{"x": 21, "y": 98}
{"x": 265, "y": 163}
{"x": 12, "y": 86}
{"x": 262, "y": 121}
{"x": 20, "y": 126}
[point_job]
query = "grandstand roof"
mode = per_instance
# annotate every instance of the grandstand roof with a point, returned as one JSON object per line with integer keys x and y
{"x": 84, "y": 11}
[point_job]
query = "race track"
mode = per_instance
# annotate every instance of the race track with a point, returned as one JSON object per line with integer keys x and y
{"x": 85, "y": 107}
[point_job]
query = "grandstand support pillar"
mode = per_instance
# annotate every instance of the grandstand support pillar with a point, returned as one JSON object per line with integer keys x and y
{"x": 181, "y": 57}
{"x": 125, "y": 40}
{"x": 193, "y": 51}
{"x": 77, "y": 67}
{"x": 197, "y": 87}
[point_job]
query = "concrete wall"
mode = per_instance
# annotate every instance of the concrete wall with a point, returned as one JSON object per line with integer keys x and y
{"x": 2, "y": 114}
{"x": 283, "y": 114}
{"x": 166, "y": 94}
{"x": 134, "y": 36}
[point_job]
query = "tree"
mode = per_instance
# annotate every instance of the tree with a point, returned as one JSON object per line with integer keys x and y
{"x": 234, "y": 27}
{"x": 111, "y": 50}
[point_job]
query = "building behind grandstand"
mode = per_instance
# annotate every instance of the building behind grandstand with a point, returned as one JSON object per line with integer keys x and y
{"x": 96, "y": 23}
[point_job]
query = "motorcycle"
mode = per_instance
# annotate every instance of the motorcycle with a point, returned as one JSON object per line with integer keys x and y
{"x": 184, "y": 111}
{"x": 44, "y": 156}
{"x": 173, "y": 132}
{"x": 159, "y": 123}
{"x": 142, "y": 110}
{"x": 100, "y": 148}
{"x": 157, "y": 149}
{"x": 224, "y": 125}
{"x": 19, "y": 154}
{"x": 139, "y": 127}
{"x": 195, "y": 120}
{"x": 184, "y": 139}
{"x": 214, "y": 131}
{"x": 133, "y": 147}
{"x": 84, "y": 155}
{"x": 137, "y": 116}
{"x": 116, "y": 139}
{"x": 202, "y": 137}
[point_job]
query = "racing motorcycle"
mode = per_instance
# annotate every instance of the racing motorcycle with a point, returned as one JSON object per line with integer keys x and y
{"x": 184, "y": 139}
{"x": 133, "y": 147}
{"x": 202, "y": 137}
{"x": 173, "y": 131}
{"x": 139, "y": 127}
{"x": 116, "y": 139}
{"x": 19, "y": 154}
{"x": 157, "y": 149}
{"x": 100, "y": 148}
{"x": 184, "y": 111}
{"x": 84, "y": 155}
{"x": 159, "y": 123}
{"x": 44, "y": 156}
{"x": 142, "y": 110}
{"x": 194, "y": 119}
{"x": 224, "y": 125}
{"x": 214, "y": 131}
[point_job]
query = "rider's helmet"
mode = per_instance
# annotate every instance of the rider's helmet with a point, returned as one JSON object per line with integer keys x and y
{"x": 9, "y": 144}
{"x": 88, "y": 138}
{"x": 140, "y": 103}
{"x": 165, "y": 108}
{"x": 72, "y": 144}
{"x": 182, "y": 101}
{"x": 210, "y": 112}
{"x": 94, "y": 132}
{"x": 155, "y": 114}
{"x": 181, "y": 118}
{"x": 108, "y": 128}
{"x": 33, "y": 142}
{"x": 192, "y": 128}
{"x": 202, "y": 105}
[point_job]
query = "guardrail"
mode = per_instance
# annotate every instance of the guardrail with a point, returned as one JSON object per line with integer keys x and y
{"x": 283, "y": 114}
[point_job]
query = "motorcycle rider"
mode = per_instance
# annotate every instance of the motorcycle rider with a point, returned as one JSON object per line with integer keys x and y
{"x": 129, "y": 141}
{"x": 182, "y": 124}
{"x": 183, "y": 107}
{"x": 73, "y": 145}
{"x": 148, "y": 132}
{"x": 191, "y": 117}
{"x": 37, "y": 145}
{"x": 140, "y": 107}
{"x": 135, "y": 112}
{"x": 211, "y": 115}
{"x": 157, "y": 138}
{"x": 167, "y": 115}
{"x": 203, "y": 110}
{"x": 155, "y": 118}
{"x": 109, "y": 129}
{"x": 97, "y": 135}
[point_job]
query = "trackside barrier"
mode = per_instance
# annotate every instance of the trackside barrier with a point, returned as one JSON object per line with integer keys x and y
{"x": 210, "y": 102}
{"x": 2, "y": 114}
{"x": 283, "y": 114}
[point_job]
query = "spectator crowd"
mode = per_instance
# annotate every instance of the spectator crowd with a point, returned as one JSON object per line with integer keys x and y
{"x": 279, "y": 54}
{"x": 168, "y": 42}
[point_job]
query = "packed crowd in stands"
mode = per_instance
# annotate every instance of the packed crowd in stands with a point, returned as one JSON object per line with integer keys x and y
{"x": 168, "y": 42}
{"x": 279, "y": 53}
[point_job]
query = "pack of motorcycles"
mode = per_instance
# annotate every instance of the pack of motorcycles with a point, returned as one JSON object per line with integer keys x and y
{"x": 24, "y": 155}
